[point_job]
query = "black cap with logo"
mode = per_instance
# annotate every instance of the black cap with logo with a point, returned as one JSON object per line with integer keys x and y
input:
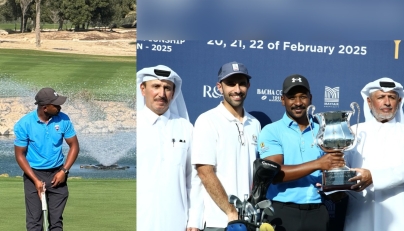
{"x": 49, "y": 96}
{"x": 294, "y": 81}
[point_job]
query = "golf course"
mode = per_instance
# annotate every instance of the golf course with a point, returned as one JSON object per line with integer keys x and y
{"x": 105, "y": 77}
{"x": 93, "y": 204}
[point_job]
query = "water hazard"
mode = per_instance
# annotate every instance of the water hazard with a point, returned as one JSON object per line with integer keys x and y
{"x": 106, "y": 131}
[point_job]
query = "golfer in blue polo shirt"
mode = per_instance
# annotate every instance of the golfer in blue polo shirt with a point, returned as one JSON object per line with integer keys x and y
{"x": 38, "y": 151}
{"x": 289, "y": 142}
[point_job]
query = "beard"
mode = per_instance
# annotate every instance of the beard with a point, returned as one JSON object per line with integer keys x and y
{"x": 233, "y": 103}
{"x": 383, "y": 117}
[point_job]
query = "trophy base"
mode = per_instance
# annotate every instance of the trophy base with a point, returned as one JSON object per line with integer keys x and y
{"x": 337, "y": 180}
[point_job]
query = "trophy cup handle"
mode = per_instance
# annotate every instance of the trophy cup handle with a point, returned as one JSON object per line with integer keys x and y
{"x": 359, "y": 110}
{"x": 308, "y": 119}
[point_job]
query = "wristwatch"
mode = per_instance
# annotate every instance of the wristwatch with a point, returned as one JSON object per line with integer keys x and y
{"x": 66, "y": 171}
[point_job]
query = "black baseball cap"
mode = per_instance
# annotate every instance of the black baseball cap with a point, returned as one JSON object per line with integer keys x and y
{"x": 294, "y": 81}
{"x": 232, "y": 68}
{"x": 49, "y": 96}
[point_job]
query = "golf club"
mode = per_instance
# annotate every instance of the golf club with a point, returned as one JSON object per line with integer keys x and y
{"x": 263, "y": 204}
{"x": 243, "y": 207}
{"x": 268, "y": 211}
{"x": 247, "y": 215}
{"x": 252, "y": 213}
{"x": 260, "y": 206}
{"x": 266, "y": 206}
{"x": 234, "y": 200}
{"x": 44, "y": 209}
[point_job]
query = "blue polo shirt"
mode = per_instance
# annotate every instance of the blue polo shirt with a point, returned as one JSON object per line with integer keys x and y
{"x": 43, "y": 141}
{"x": 284, "y": 137}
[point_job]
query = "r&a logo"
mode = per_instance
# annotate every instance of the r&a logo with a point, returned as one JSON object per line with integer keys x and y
{"x": 211, "y": 92}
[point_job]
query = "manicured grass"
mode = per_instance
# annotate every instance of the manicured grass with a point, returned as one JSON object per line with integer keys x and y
{"x": 13, "y": 26}
{"x": 104, "y": 77}
{"x": 94, "y": 204}
{"x": 10, "y": 26}
{"x": 44, "y": 26}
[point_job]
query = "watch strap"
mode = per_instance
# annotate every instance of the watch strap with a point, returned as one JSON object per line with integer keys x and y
{"x": 66, "y": 171}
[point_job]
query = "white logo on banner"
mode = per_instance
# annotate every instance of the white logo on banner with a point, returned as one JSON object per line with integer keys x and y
{"x": 211, "y": 92}
{"x": 331, "y": 97}
{"x": 270, "y": 94}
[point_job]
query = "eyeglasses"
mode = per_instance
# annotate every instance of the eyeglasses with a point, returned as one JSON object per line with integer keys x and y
{"x": 241, "y": 138}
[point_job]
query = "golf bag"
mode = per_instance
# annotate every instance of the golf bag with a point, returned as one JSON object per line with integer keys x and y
{"x": 264, "y": 172}
{"x": 239, "y": 225}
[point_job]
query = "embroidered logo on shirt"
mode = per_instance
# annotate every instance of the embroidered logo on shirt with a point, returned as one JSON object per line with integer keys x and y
{"x": 263, "y": 148}
{"x": 57, "y": 127}
{"x": 254, "y": 139}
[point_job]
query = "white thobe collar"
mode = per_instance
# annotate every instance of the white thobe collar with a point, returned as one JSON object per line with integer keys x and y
{"x": 151, "y": 118}
{"x": 223, "y": 110}
{"x": 392, "y": 121}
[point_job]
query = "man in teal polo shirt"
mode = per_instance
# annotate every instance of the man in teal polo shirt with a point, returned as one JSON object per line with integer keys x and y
{"x": 38, "y": 151}
{"x": 289, "y": 142}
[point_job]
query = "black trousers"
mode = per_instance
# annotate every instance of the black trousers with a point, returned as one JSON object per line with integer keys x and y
{"x": 56, "y": 198}
{"x": 293, "y": 217}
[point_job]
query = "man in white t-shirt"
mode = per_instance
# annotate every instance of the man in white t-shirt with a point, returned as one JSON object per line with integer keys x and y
{"x": 224, "y": 147}
{"x": 168, "y": 188}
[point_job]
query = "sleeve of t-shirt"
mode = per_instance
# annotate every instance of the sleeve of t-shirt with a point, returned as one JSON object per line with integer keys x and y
{"x": 21, "y": 135}
{"x": 269, "y": 143}
{"x": 69, "y": 129}
{"x": 204, "y": 142}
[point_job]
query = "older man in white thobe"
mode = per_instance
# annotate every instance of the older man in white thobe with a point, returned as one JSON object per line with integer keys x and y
{"x": 378, "y": 157}
{"x": 168, "y": 188}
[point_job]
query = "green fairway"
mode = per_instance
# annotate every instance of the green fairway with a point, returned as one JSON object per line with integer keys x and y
{"x": 10, "y": 26}
{"x": 17, "y": 25}
{"x": 94, "y": 204}
{"x": 101, "y": 77}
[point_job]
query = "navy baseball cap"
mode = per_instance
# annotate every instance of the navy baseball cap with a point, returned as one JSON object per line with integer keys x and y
{"x": 49, "y": 96}
{"x": 232, "y": 68}
{"x": 293, "y": 81}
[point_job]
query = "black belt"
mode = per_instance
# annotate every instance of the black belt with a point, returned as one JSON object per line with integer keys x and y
{"x": 299, "y": 206}
{"x": 49, "y": 169}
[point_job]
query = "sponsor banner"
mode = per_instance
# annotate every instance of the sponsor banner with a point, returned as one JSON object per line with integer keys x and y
{"x": 331, "y": 97}
{"x": 336, "y": 70}
{"x": 211, "y": 92}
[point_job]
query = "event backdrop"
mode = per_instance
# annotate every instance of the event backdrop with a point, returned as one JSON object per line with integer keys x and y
{"x": 336, "y": 70}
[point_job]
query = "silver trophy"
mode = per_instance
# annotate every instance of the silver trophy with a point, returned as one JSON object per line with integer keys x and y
{"x": 335, "y": 135}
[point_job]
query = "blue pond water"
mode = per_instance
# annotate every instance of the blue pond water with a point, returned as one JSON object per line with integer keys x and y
{"x": 103, "y": 151}
{"x": 110, "y": 142}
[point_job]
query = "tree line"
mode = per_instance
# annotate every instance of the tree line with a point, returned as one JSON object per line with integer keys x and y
{"x": 81, "y": 14}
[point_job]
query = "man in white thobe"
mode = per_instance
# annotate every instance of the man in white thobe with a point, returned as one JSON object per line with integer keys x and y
{"x": 378, "y": 157}
{"x": 168, "y": 188}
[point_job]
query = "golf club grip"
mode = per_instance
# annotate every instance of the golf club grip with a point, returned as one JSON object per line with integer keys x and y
{"x": 43, "y": 201}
